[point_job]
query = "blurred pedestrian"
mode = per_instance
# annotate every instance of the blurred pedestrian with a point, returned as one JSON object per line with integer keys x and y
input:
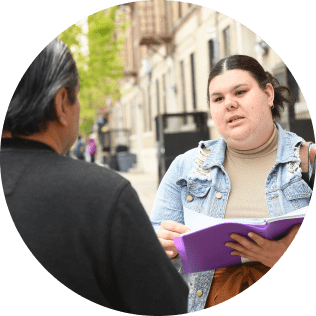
{"x": 84, "y": 223}
{"x": 80, "y": 149}
{"x": 92, "y": 149}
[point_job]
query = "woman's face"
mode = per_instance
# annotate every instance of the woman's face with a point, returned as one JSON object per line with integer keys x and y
{"x": 241, "y": 110}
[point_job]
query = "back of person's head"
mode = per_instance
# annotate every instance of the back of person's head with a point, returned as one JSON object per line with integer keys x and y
{"x": 282, "y": 94}
{"x": 33, "y": 103}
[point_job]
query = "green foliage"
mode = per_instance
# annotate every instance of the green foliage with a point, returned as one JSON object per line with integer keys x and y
{"x": 71, "y": 35}
{"x": 100, "y": 69}
{"x": 85, "y": 126}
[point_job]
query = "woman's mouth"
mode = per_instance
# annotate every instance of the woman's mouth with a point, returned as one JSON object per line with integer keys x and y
{"x": 234, "y": 119}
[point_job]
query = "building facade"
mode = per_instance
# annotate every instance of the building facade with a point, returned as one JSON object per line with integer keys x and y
{"x": 170, "y": 48}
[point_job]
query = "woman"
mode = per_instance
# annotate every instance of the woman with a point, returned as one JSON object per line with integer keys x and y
{"x": 253, "y": 171}
{"x": 92, "y": 149}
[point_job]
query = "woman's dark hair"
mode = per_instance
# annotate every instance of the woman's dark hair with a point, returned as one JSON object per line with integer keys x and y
{"x": 282, "y": 94}
{"x": 33, "y": 103}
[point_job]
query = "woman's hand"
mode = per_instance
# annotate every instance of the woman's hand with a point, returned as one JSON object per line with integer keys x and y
{"x": 262, "y": 250}
{"x": 167, "y": 231}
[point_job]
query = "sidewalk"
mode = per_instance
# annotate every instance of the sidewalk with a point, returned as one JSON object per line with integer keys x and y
{"x": 146, "y": 186}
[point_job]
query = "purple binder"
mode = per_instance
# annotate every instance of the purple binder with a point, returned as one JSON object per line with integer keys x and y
{"x": 205, "y": 249}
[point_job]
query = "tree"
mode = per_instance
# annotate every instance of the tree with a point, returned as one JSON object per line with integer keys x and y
{"x": 99, "y": 64}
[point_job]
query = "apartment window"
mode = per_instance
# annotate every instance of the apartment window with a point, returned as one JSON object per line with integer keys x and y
{"x": 144, "y": 111}
{"x": 226, "y": 33}
{"x": 193, "y": 81}
{"x": 183, "y": 86}
{"x": 133, "y": 116}
{"x": 149, "y": 108}
{"x": 164, "y": 93}
{"x": 125, "y": 116}
{"x": 285, "y": 77}
{"x": 158, "y": 96}
{"x": 292, "y": 84}
{"x": 211, "y": 53}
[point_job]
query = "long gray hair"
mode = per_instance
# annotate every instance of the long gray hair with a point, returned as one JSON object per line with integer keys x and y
{"x": 33, "y": 103}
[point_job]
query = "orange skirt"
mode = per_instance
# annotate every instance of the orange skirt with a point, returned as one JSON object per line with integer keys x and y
{"x": 230, "y": 281}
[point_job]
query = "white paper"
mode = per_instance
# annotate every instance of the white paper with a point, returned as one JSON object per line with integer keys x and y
{"x": 196, "y": 221}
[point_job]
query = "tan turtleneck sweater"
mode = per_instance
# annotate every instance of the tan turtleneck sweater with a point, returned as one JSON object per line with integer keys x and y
{"x": 248, "y": 171}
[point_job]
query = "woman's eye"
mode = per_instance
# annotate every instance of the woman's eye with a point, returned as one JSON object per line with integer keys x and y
{"x": 218, "y": 99}
{"x": 240, "y": 92}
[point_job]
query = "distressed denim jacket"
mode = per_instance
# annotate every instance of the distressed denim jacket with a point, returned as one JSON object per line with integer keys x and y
{"x": 202, "y": 176}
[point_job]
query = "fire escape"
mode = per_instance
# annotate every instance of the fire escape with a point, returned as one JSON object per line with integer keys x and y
{"x": 150, "y": 28}
{"x": 153, "y": 28}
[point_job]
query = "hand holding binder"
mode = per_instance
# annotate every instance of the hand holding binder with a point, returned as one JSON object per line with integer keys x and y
{"x": 204, "y": 247}
{"x": 266, "y": 251}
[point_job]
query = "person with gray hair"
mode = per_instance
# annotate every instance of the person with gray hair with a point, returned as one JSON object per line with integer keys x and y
{"x": 84, "y": 223}
{"x": 32, "y": 104}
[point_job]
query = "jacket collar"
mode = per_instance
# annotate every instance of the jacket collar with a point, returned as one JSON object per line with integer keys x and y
{"x": 287, "y": 142}
{"x": 23, "y": 143}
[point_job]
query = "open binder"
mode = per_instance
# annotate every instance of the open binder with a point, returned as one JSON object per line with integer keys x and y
{"x": 203, "y": 248}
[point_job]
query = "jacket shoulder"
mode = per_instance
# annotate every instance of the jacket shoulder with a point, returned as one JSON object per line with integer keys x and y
{"x": 185, "y": 161}
{"x": 90, "y": 173}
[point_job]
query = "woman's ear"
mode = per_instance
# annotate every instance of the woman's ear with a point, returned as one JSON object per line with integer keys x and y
{"x": 62, "y": 106}
{"x": 269, "y": 91}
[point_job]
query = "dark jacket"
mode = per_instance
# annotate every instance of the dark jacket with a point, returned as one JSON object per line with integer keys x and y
{"x": 85, "y": 224}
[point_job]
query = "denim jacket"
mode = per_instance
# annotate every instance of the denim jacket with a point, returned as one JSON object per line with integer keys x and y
{"x": 202, "y": 176}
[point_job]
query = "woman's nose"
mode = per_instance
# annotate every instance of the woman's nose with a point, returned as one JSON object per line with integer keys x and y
{"x": 230, "y": 104}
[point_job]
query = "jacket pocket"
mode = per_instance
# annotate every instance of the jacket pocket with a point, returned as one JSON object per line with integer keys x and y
{"x": 194, "y": 191}
{"x": 298, "y": 194}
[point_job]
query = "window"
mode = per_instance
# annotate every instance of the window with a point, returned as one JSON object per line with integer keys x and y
{"x": 125, "y": 116}
{"x": 158, "y": 96}
{"x": 183, "y": 86}
{"x": 144, "y": 111}
{"x": 292, "y": 84}
{"x": 227, "y": 41}
{"x": 211, "y": 53}
{"x": 149, "y": 107}
{"x": 133, "y": 116}
{"x": 164, "y": 93}
{"x": 193, "y": 81}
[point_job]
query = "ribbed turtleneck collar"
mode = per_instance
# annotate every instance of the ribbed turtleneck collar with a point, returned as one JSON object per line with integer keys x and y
{"x": 267, "y": 148}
